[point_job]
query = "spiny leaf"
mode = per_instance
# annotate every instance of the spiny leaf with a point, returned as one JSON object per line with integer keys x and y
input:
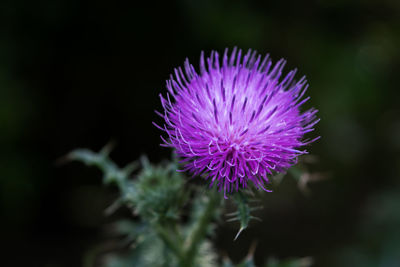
{"x": 111, "y": 172}
{"x": 243, "y": 213}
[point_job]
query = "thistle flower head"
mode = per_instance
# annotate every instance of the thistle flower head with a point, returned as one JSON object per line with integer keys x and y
{"x": 236, "y": 121}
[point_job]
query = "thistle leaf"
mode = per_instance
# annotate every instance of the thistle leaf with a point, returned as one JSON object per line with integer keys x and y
{"x": 243, "y": 213}
{"x": 112, "y": 174}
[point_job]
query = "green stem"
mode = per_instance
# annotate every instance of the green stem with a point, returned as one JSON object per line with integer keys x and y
{"x": 197, "y": 234}
{"x": 169, "y": 242}
{"x": 120, "y": 179}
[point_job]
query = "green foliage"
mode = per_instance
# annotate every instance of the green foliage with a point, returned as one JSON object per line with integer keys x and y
{"x": 159, "y": 192}
{"x": 163, "y": 233}
{"x": 243, "y": 213}
{"x": 112, "y": 174}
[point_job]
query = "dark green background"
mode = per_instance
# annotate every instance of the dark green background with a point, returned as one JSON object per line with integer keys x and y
{"x": 79, "y": 74}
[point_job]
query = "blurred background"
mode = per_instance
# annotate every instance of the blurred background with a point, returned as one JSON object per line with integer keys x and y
{"x": 79, "y": 74}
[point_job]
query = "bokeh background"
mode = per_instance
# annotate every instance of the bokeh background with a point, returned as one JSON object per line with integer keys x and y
{"x": 79, "y": 74}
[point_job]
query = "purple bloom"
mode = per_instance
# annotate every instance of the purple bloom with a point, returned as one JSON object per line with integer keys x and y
{"x": 237, "y": 121}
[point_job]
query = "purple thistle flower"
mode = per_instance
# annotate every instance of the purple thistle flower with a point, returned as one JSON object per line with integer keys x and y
{"x": 236, "y": 122}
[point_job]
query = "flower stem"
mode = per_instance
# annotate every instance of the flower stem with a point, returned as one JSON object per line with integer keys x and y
{"x": 199, "y": 230}
{"x": 169, "y": 242}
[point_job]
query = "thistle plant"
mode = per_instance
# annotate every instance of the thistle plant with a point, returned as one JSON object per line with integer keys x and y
{"x": 236, "y": 124}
